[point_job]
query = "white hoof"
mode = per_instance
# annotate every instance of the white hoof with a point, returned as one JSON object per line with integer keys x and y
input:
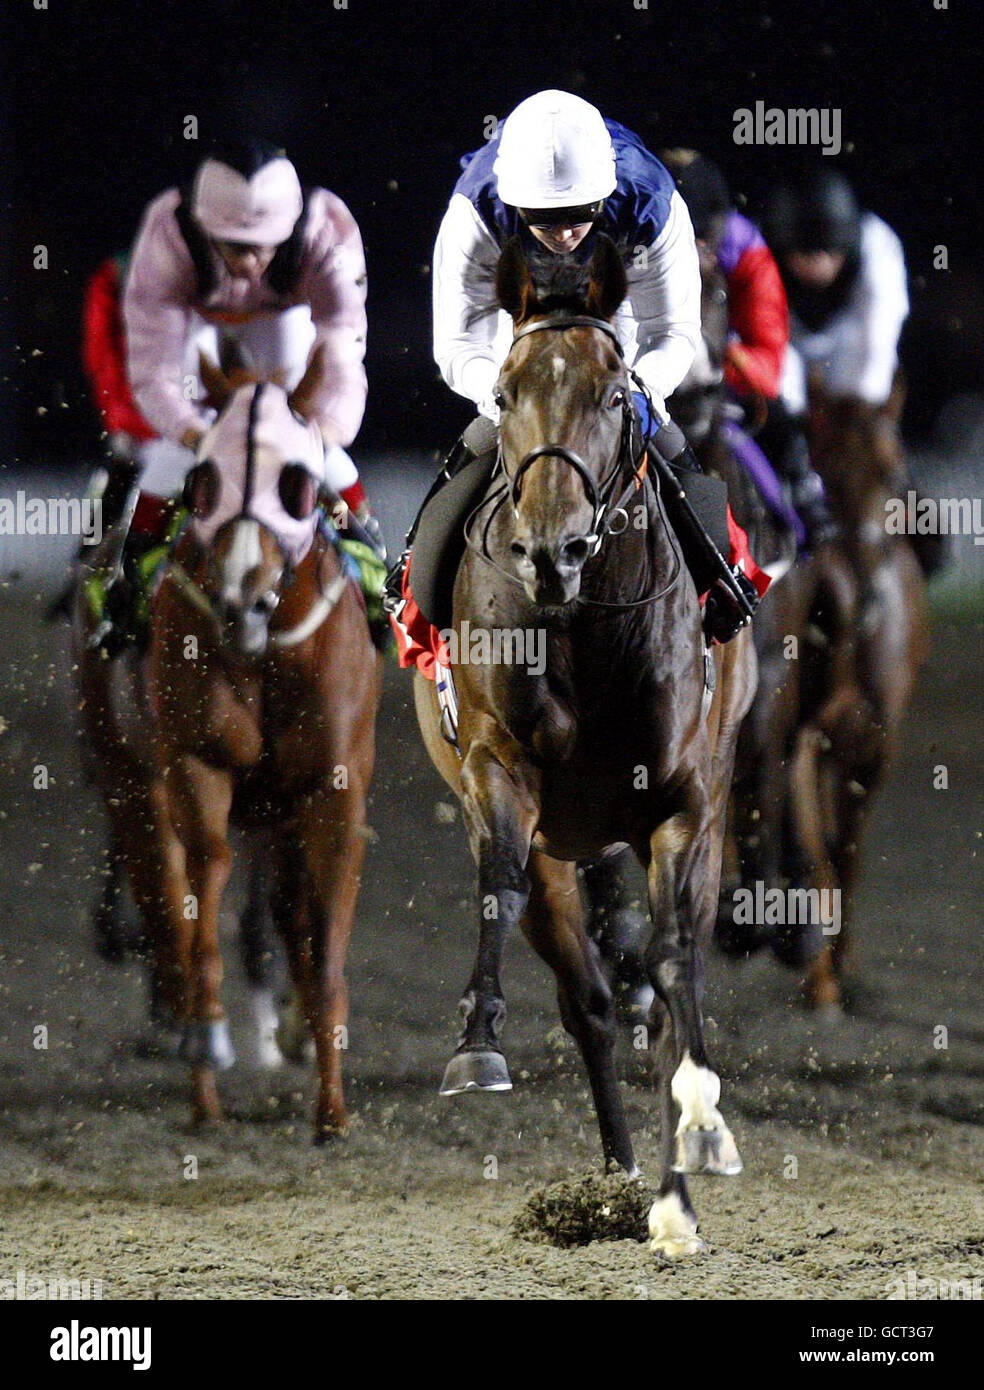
{"x": 265, "y": 1052}
{"x": 672, "y": 1229}
{"x": 704, "y": 1143}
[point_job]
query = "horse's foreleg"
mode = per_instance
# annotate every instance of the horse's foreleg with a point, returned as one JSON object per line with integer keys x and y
{"x": 334, "y": 847}
{"x": 256, "y": 950}
{"x": 620, "y": 928}
{"x": 199, "y": 798}
{"x": 501, "y": 816}
{"x": 554, "y": 924}
{"x": 695, "y": 1138}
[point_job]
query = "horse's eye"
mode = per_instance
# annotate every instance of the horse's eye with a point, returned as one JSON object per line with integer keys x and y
{"x": 201, "y": 489}
{"x": 617, "y": 398}
{"x": 499, "y": 398}
{"x": 298, "y": 489}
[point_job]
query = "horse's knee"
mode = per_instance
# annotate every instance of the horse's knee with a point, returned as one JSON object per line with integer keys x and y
{"x": 588, "y": 1014}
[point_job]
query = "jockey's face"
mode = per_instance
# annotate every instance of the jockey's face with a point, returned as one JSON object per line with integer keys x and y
{"x": 243, "y": 260}
{"x": 561, "y": 238}
{"x": 562, "y": 229}
{"x": 816, "y": 269}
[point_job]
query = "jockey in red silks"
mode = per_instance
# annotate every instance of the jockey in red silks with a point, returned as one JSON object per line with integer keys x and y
{"x": 245, "y": 253}
{"x": 556, "y": 175}
{"x": 759, "y": 320}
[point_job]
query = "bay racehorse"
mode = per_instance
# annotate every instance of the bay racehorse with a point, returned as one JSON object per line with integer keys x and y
{"x": 873, "y": 615}
{"x": 609, "y": 744}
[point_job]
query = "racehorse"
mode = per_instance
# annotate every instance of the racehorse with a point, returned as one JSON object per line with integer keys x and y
{"x": 873, "y": 614}
{"x": 609, "y": 745}
{"x": 758, "y": 844}
{"x": 263, "y": 685}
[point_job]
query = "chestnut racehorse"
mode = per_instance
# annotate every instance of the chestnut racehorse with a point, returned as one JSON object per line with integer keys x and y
{"x": 262, "y": 689}
{"x": 873, "y": 614}
{"x": 613, "y": 743}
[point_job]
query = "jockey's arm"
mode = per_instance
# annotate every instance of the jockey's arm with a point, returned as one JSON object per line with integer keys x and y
{"x": 759, "y": 315}
{"x": 664, "y": 301}
{"x": 466, "y": 316}
{"x": 333, "y": 284}
{"x": 104, "y": 355}
{"x": 157, "y": 304}
{"x": 875, "y": 313}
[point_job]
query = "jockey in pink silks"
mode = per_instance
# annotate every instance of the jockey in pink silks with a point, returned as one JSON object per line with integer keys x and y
{"x": 248, "y": 255}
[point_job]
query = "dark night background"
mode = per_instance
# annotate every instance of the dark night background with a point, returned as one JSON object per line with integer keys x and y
{"x": 378, "y": 100}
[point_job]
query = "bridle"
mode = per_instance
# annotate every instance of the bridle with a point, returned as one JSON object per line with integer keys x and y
{"x": 600, "y": 494}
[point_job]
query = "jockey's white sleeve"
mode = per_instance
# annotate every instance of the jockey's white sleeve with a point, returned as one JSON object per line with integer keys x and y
{"x": 466, "y": 319}
{"x": 661, "y": 313}
{"x": 664, "y": 303}
{"x": 865, "y": 353}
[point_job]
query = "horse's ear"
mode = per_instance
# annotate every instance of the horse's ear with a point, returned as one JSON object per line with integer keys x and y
{"x": 607, "y": 281}
{"x": 513, "y": 282}
{"x": 216, "y": 383}
{"x": 302, "y": 399}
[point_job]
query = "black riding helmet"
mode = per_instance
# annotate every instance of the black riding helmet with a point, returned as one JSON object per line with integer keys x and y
{"x": 702, "y": 187}
{"x": 817, "y": 212}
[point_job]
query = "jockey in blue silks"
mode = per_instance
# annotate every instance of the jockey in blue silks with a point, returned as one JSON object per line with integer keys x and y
{"x": 557, "y": 174}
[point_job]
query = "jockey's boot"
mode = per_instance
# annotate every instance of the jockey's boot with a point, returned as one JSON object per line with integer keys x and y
{"x": 361, "y": 538}
{"x": 479, "y": 438}
{"x": 117, "y": 590}
{"x": 110, "y": 485}
{"x": 731, "y": 596}
{"x": 806, "y": 492}
{"x": 783, "y": 440}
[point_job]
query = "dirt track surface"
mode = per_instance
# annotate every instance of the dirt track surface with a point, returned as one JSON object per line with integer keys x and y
{"x": 884, "y": 1128}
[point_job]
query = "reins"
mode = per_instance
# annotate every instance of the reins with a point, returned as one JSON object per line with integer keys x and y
{"x": 599, "y": 494}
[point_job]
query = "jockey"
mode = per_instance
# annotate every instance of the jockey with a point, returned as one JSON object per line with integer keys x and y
{"x": 759, "y": 319}
{"x": 245, "y": 254}
{"x": 555, "y": 175}
{"x": 844, "y": 272}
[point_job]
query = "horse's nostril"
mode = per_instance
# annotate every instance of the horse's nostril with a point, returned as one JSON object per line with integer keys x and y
{"x": 518, "y": 549}
{"x": 575, "y": 552}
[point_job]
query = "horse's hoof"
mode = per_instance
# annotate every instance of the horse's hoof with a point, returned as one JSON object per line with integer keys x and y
{"x": 293, "y": 1035}
{"x": 634, "y": 1004}
{"x": 329, "y": 1131}
{"x": 478, "y": 1069}
{"x": 711, "y": 1151}
{"x": 673, "y": 1229}
{"x": 265, "y": 1054}
{"x": 206, "y": 1042}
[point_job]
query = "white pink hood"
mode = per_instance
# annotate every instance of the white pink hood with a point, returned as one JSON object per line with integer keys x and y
{"x": 274, "y": 436}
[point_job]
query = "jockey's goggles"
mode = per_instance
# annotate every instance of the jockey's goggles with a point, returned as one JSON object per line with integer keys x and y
{"x": 561, "y": 217}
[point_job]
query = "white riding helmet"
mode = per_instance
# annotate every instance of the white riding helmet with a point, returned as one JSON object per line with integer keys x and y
{"x": 260, "y": 210}
{"x": 554, "y": 152}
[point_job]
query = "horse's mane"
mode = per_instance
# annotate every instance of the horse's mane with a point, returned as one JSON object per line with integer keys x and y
{"x": 561, "y": 282}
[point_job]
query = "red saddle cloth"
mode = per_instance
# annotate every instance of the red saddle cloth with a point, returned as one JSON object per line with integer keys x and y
{"x": 418, "y": 642}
